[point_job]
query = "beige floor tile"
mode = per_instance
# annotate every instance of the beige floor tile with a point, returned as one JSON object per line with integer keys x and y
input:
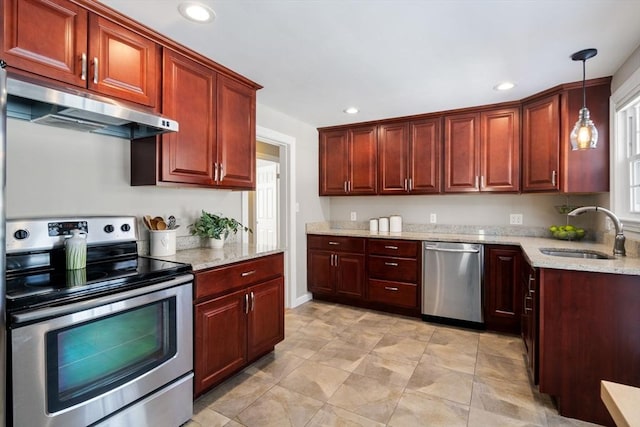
{"x": 279, "y": 407}
{"x": 302, "y": 345}
{"x": 399, "y": 348}
{"x": 389, "y": 371}
{"x": 413, "y": 328}
{"x": 235, "y": 394}
{"x": 275, "y": 365}
{"x": 315, "y": 380}
{"x": 369, "y": 397}
{"x": 461, "y": 339}
{"x": 450, "y": 357}
{"x": 510, "y": 346}
{"x": 481, "y": 418}
{"x": 442, "y": 382}
{"x": 491, "y": 366}
{"x": 332, "y": 416}
{"x": 373, "y": 325}
{"x": 512, "y": 399}
{"x": 234, "y": 423}
{"x": 417, "y": 409}
{"x": 322, "y": 330}
{"x": 340, "y": 355}
{"x": 293, "y": 322}
{"x": 358, "y": 337}
{"x": 207, "y": 418}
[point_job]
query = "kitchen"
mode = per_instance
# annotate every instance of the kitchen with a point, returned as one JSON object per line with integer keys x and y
{"x": 104, "y": 190}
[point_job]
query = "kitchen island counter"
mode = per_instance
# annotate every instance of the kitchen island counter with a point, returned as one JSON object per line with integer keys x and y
{"x": 530, "y": 247}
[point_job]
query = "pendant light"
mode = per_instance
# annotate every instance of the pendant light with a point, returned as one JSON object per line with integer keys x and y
{"x": 584, "y": 134}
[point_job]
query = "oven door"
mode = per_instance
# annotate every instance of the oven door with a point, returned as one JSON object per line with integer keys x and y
{"x": 86, "y": 361}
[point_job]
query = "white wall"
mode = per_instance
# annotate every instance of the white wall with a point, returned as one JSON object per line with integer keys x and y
{"x": 53, "y": 171}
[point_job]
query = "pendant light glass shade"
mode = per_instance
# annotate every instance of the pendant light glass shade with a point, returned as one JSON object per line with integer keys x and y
{"x": 584, "y": 135}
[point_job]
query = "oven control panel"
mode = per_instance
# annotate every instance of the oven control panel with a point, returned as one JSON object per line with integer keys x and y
{"x": 42, "y": 234}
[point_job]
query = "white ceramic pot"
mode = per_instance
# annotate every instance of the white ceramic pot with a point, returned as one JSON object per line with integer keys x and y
{"x": 215, "y": 243}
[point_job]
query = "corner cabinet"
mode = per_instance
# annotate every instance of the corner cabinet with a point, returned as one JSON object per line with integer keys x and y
{"x": 409, "y": 157}
{"x": 348, "y": 161}
{"x": 80, "y": 48}
{"x": 216, "y": 144}
{"x": 238, "y": 317}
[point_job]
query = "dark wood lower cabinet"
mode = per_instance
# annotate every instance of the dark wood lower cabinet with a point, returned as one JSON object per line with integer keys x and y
{"x": 238, "y": 317}
{"x": 502, "y": 294}
{"x": 588, "y": 333}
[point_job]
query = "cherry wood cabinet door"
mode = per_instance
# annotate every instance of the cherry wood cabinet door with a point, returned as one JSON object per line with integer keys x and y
{"x": 541, "y": 144}
{"x": 393, "y": 158}
{"x": 500, "y": 150}
{"x": 220, "y": 339}
{"x": 236, "y": 130}
{"x": 425, "y": 156}
{"x": 502, "y": 295}
{"x": 45, "y": 37}
{"x": 350, "y": 275}
{"x": 320, "y": 273}
{"x": 188, "y": 96}
{"x": 122, "y": 63}
{"x": 334, "y": 162}
{"x": 461, "y": 153}
{"x": 265, "y": 318}
{"x": 363, "y": 155}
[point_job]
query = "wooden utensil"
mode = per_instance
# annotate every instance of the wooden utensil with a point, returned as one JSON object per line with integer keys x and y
{"x": 161, "y": 225}
{"x": 147, "y": 222}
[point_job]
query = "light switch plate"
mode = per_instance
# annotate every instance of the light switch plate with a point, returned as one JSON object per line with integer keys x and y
{"x": 354, "y": 216}
{"x": 433, "y": 218}
{"x": 515, "y": 219}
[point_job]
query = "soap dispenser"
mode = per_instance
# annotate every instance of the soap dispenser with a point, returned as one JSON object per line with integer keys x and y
{"x": 76, "y": 250}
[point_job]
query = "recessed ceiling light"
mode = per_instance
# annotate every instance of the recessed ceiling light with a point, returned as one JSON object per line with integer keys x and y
{"x": 351, "y": 110}
{"x": 196, "y": 12}
{"x": 504, "y": 86}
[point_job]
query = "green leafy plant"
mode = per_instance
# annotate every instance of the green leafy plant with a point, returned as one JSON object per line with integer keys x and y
{"x": 216, "y": 226}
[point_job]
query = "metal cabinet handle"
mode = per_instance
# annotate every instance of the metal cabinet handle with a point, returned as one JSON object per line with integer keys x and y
{"x": 95, "y": 69}
{"x": 221, "y": 167}
{"x": 395, "y": 248}
{"x": 246, "y": 303}
{"x": 482, "y": 181}
{"x": 331, "y": 260}
{"x": 406, "y": 184}
{"x": 410, "y": 184}
{"x": 247, "y": 273}
{"x": 391, "y": 264}
{"x": 462, "y": 251}
{"x": 391, "y": 288}
{"x": 349, "y": 186}
{"x": 527, "y": 309}
{"x": 531, "y": 279}
{"x": 83, "y": 74}
{"x": 554, "y": 176}
{"x": 253, "y": 301}
{"x": 337, "y": 259}
{"x": 346, "y": 190}
{"x": 334, "y": 243}
{"x": 476, "y": 182}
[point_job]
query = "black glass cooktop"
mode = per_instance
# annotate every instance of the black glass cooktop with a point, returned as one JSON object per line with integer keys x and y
{"x": 38, "y": 287}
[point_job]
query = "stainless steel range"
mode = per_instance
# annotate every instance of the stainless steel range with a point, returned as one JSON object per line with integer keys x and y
{"x": 109, "y": 344}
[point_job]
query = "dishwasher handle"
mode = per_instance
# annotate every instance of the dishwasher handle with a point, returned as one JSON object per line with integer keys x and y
{"x": 466, "y": 251}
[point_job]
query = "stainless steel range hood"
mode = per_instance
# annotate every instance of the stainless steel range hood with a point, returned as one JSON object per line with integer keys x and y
{"x": 79, "y": 111}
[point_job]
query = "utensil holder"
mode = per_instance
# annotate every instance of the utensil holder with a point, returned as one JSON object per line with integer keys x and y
{"x": 162, "y": 242}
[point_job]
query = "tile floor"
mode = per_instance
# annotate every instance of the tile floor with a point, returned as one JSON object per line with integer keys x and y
{"x": 343, "y": 366}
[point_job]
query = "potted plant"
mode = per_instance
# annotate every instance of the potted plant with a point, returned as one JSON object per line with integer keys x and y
{"x": 216, "y": 228}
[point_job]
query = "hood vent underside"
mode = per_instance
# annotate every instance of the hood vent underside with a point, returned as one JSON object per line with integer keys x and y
{"x": 79, "y": 112}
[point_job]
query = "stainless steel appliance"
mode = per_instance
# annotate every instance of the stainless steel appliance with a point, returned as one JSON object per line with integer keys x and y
{"x": 452, "y": 283}
{"x": 3, "y": 168}
{"x": 107, "y": 345}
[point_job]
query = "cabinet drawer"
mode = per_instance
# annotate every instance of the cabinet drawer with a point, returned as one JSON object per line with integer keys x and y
{"x": 337, "y": 244}
{"x": 393, "y": 293}
{"x": 396, "y": 269}
{"x": 238, "y": 275}
{"x": 399, "y": 248}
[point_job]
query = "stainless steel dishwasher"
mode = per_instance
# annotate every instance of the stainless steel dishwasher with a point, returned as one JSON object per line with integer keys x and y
{"x": 452, "y": 283}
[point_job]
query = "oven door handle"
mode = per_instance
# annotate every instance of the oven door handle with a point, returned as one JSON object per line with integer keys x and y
{"x": 49, "y": 312}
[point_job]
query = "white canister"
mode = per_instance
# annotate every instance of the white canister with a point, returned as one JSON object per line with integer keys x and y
{"x": 395, "y": 224}
{"x": 373, "y": 225}
{"x": 162, "y": 242}
{"x": 383, "y": 226}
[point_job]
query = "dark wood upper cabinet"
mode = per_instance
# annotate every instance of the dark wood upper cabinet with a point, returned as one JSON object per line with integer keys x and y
{"x": 409, "y": 157}
{"x": 461, "y": 153}
{"x": 500, "y": 150}
{"x": 348, "y": 161}
{"x": 81, "y": 49}
{"x": 540, "y": 144}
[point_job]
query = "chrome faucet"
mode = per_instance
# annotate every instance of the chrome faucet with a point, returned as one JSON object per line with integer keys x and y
{"x": 618, "y": 244}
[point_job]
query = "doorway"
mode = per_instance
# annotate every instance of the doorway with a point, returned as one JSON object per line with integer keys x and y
{"x": 264, "y": 203}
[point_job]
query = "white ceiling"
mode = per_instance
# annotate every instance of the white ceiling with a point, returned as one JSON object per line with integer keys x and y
{"x": 399, "y": 57}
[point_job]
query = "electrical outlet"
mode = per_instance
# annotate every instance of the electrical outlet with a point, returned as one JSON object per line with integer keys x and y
{"x": 515, "y": 219}
{"x": 433, "y": 218}
{"x": 354, "y": 216}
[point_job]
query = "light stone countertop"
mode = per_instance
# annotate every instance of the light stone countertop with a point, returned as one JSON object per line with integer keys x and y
{"x": 530, "y": 245}
{"x": 622, "y": 403}
{"x": 204, "y": 258}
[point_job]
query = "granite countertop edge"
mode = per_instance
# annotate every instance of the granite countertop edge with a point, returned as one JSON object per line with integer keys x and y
{"x": 530, "y": 246}
{"x": 206, "y": 258}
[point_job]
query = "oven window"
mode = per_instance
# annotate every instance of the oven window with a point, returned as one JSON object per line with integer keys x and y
{"x": 91, "y": 358}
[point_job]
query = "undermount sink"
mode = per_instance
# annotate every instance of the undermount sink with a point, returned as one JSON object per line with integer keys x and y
{"x": 576, "y": 253}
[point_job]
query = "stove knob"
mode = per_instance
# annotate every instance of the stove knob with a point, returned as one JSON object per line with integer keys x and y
{"x": 125, "y": 227}
{"x": 108, "y": 228}
{"x": 21, "y": 234}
